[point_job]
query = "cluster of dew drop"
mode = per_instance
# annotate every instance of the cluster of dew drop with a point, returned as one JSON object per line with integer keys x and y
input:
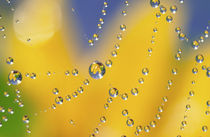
{"x": 95, "y": 37}
{"x": 97, "y": 71}
{"x": 113, "y": 92}
{"x": 10, "y": 110}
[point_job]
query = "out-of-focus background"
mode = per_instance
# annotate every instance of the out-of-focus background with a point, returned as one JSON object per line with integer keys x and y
{"x": 51, "y": 37}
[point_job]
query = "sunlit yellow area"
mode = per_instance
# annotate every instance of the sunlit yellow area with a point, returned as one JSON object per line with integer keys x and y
{"x": 36, "y": 21}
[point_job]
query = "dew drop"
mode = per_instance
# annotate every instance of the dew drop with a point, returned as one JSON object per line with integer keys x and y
{"x": 59, "y": 100}
{"x": 113, "y": 92}
{"x": 130, "y": 122}
{"x": 97, "y": 70}
{"x": 15, "y": 77}
{"x": 154, "y": 3}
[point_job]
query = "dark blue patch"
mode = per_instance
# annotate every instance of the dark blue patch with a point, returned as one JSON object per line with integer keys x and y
{"x": 87, "y": 14}
{"x": 199, "y": 17}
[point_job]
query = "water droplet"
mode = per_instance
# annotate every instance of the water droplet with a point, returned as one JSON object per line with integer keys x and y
{"x": 154, "y": 3}
{"x": 139, "y": 128}
{"x": 124, "y": 96}
{"x": 163, "y": 9}
{"x": 126, "y": 3}
{"x": 201, "y": 38}
{"x": 155, "y": 29}
{"x": 6, "y": 94}
{"x": 92, "y": 135}
{"x": 173, "y": 9}
{"x": 123, "y": 27}
{"x": 199, "y": 58}
{"x": 158, "y": 14}
{"x": 68, "y": 97}
{"x": 146, "y": 128}
{"x": 153, "y": 124}
{"x": 96, "y": 130}
{"x": 101, "y": 21}
{"x": 90, "y": 42}
{"x": 178, "y": 29}
{"x": 195, "y": 44}
{"x": 125, "y": 112}
{"x": 4, "y": 36}
{"x": 86, "y": 82}
{"x": 99, "y": 27}
{"x": 55, "y": 91}
{"x": 80, "y": 90}
{"x": 28, "y": 131}
{"x": 25, "y": 119}
{"x": 204, "y": 128}
{"x": 114, "y": 53}
{"x": 48, "y": 73}
{"x": 193, "y": 82}
{"x": 174, "y": 71}
{"x": 160, "y": 109}
{"x": 103, "y": 119}
{"x": 158, "y": 116}
{"x": 141, "y": 80}
{"x": 165, "y": 98}
{"x": 194, "y": 70}
{"x": 150, "y": 50}
{"x": 170, "y": 82}
{"x": 113, "y": 92}
{"x": 136, "y": 133}
{"x": 53, "y": 106}
{"x": 74, "y": 94}
{"x": 103, "y": 12}
{"x": 117, "y": 46}
{"x": 191, "y": 93}
{"x": 179, "y": 50}
{"x": 75, "y": 72}
{"x": 2, "y": 28}
{"x": 206, "y": 33}
{"x": 182, "y": 36}
{"x": 2, "y": 109}
{"x": 208, "y": 103}
{"x": 10, "y": 111}
{"x": 97, "y": 70}
{"x": 145, "y": 71}
{"x": 208, "y": 72}
{"x": 108, "y": 63}
{"x": 4, "y": 118}
{"x": 105, "y": 4}
{"x": 130, "y": 122}
{"x": 33, "y": 75}
{"x": 59, "y": 100}
{"x": 184, "y": 123}
{"x": 27, "y": 74}
{"x": 119, "y": 36}
{"x": 109, "y": 100}
{"x": 95, "y": 37}
{"x": 178, "y": 56}
{"x": 181, "y": 1}
{"x": 207, "y": 112}
{"x": 124, "y": 13}
{"x": 134, "y": 91}
{"x": 10, "y": 60}
{"x": 15, "y": 77}
{"x": 106, "y": 105}
{"x": 188, "y": 106}
{"x": 169, "y": 18}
